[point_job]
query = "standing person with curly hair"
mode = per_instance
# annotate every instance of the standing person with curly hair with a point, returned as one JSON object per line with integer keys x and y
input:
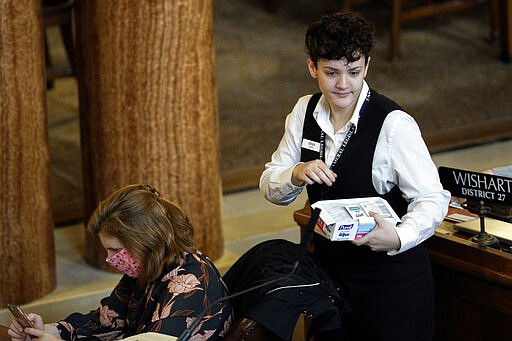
{"x": 349, "y": 141}
{"x": 167, "y": 283}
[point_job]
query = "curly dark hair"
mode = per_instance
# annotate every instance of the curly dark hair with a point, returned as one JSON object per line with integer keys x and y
{"x": 340, "y": 35}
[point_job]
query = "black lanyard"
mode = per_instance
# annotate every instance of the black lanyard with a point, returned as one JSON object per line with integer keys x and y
{"x": 342, "y": 147}
{"x": 347, "y": 137}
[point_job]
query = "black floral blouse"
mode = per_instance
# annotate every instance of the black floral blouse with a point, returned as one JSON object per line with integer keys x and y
{"x": 167, "y": 306}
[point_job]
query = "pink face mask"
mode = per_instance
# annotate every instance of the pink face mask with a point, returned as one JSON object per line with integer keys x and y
{"x": 124, "y": 263}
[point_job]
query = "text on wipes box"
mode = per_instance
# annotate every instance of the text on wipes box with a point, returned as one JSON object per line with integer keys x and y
{"x": 348, "y": 219}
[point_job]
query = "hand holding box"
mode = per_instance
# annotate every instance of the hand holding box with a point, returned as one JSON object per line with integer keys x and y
{"x": 348, "y": 219}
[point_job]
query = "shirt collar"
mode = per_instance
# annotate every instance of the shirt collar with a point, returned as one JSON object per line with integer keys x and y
{"x": 322, "y": 114}
{"x": 362, "y": 97}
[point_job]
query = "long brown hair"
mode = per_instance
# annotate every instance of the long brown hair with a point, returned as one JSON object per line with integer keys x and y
{"x": 152, "y": 229}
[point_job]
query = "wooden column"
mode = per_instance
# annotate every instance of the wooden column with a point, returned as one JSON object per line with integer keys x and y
{"x": 27, "y": 260}
{"x": 148, "y": 106}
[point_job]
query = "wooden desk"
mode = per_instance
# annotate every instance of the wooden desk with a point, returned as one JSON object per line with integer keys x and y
{"x": 473, "y": 285}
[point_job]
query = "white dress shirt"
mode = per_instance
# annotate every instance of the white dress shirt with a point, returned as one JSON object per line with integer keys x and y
{"x": 401, "y": 158}
{"x": 503, "y": 171}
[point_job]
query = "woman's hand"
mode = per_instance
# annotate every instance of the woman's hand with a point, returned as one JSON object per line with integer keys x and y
{"x": 383, "y": 237}
{"x": 41, "y": 335}
{"x": 17, "y": 332}
{"x": 315, "y": 171}
{"x": 40, "y": 330}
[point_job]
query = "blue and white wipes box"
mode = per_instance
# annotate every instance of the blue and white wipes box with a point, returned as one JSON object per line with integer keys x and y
{"x": 349, "y": 219}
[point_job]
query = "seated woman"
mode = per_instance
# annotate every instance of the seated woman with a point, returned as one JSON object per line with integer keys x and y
{"x": 166, "y": 284}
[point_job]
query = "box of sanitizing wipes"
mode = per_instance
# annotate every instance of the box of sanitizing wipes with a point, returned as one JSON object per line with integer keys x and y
{"x": 348, "y": 219}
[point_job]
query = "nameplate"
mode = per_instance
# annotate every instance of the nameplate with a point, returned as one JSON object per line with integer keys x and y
{"x": 311, "y": 145}
{"x": 473, "y": 185}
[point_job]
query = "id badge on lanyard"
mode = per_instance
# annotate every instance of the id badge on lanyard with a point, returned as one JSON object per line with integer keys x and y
{"x": 347, "y": 137}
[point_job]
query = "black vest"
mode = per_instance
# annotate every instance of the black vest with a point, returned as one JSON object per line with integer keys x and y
{"x": 358, "y": 269}
{"x": 354, "y": 168}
